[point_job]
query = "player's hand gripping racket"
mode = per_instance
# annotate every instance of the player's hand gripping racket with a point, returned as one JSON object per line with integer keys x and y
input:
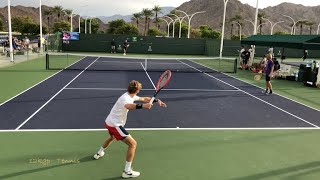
{"x": 162, "y": 82}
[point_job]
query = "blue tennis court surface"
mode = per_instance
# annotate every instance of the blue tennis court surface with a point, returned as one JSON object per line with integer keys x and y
{"x": 83, "y": 99}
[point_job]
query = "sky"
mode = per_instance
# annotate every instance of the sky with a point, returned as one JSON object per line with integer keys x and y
{"x": 127, "y": 7}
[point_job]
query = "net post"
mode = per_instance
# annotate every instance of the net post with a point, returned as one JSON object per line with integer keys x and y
{"x": 47, "y": 61}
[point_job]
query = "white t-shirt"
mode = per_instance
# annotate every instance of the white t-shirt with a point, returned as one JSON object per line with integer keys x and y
{"x": 118, "y": 114}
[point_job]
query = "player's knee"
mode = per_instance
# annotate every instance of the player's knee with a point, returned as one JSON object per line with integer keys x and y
{"x": 133, "y": 144}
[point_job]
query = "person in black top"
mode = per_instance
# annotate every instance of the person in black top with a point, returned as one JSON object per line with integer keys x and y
{"x": 276, "y": 64}
{"x": 305, "y": 54}
{"x": 245, "y": 56}
{"x": 125, "y": 47}
{"x": 113, "y": 46}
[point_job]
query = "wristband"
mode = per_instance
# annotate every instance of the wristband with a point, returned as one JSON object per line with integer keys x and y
{"x": 139, "y": 106}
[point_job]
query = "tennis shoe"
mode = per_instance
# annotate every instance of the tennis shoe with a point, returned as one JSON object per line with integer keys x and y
{"x": 97, "y": 156}
{"x": 130, "y": 174}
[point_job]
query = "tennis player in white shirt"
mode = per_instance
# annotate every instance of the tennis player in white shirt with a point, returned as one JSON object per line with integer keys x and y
{"x": 116, "y": 121}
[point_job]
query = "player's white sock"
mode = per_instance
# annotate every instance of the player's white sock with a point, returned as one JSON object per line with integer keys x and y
{"x": 100, "y": 150}
{"x": 128, "y": 166}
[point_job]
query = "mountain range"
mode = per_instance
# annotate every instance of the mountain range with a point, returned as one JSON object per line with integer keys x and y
{"x": 127, "y": 18}
{"x": 214, "y": 14}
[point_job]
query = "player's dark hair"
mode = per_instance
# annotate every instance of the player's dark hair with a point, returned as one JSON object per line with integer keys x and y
{"x": 134, "y": 86}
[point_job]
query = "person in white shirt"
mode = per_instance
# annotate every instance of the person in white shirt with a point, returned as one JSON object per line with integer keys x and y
{"x": 116, "y": 121}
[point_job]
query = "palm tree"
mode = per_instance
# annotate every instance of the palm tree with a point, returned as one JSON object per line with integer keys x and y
{"x": 310, "y": 24}
{"x": 48, "y": 13}
{"x": 58, "y": 10}
{"x": 147, "y": 13}
{"x": 301, "y": 23}
{"x": 261, "y": 16}
{"x": 157, "y": 22}
{"x": 136, "y": 17}
{"x": 68, "y": 13}
{"x": 157, "y": 10}
{"x": 237, "y": 18}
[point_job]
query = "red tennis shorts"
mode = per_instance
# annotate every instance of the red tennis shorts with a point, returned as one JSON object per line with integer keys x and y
{"x": 119, "y": 132}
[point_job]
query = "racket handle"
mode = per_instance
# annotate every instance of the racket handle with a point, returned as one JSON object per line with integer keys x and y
{"x": 152, "y": 99}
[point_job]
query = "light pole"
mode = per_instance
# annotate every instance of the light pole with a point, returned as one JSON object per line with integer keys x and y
{"x": 40, "y": 15}
{"x": 270, "y": 25}
{"x": 90, "y": 25}
{"x": 85, "y": 25}
{"x": 180, "y": 21}
{"x": 254, "y": 33}
{"x": 223, "y": 25}
{"x": 318, "y": 29}
{"x": 294, "y": 23}
{"x": 79, "y": 24}
{"x": 168, "y": 25}
{"x": 172, "y": 21}
{"x": 80, "y": 18}
{"x": 251, "y": 23}
{"x": 240, "y": 28}
{"x": 190, "y": 18}
{"x": 260, "y": 25}
{"x": 275, "y": 25}
{"x": 10, "y": 31}
{"x": 293, "y": 28}
{"x": 71, "y": 24}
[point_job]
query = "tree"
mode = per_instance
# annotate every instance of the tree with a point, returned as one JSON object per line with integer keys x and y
{"x": 136, "y": 17}
{"x": 58, "y": 10}
{"x": 1, "y": 25}
{"x": 281, "y": 33}
{"x": 114, "y": 25}
{"x": 301, "y": 23}
{"x": 147, "y": 13}
{"x": 238, "y": 19}
{"x": 195, "y": 33}
{"x": 48, "y": 13}
{"x": 95, "y": 26}
{"x": 310, "y": 24}
{"x": 157, "y": 10}
{"x": 33, "y": 28}
{"x": 184, "y": 29}
{"x": 18, "y": 23}
{"x": 68, "y": 13}
{"x": 207, "y": 32}
{"x": 261, "y": 16}
{"x": 127, "y": 29}
{"x": 154, "y": 32}
{"x": 61, "y": 26}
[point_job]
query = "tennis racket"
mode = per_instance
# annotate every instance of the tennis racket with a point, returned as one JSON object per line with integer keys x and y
{"x": 162, "y": 82}
{"x": 257, "y": 77}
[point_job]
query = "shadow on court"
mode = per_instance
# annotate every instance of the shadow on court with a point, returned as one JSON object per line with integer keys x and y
{"x": 12, "y": 175}
{"x": 292, "y": 169}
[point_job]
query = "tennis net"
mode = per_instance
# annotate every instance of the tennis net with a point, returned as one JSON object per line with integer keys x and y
{"x": 117, "y": 63}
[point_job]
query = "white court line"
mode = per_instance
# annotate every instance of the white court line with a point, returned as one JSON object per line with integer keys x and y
{"x": 162, "y": 129}
{"x": 256, "y": 97}
{"x": 38, "y": 83}
{"x": 123, "y": 62}
{"x": 258, "y": 87}
{"x": 123, "y": 89}
{"x": 54, "y": 96}
{"x": 148, "y": 76}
